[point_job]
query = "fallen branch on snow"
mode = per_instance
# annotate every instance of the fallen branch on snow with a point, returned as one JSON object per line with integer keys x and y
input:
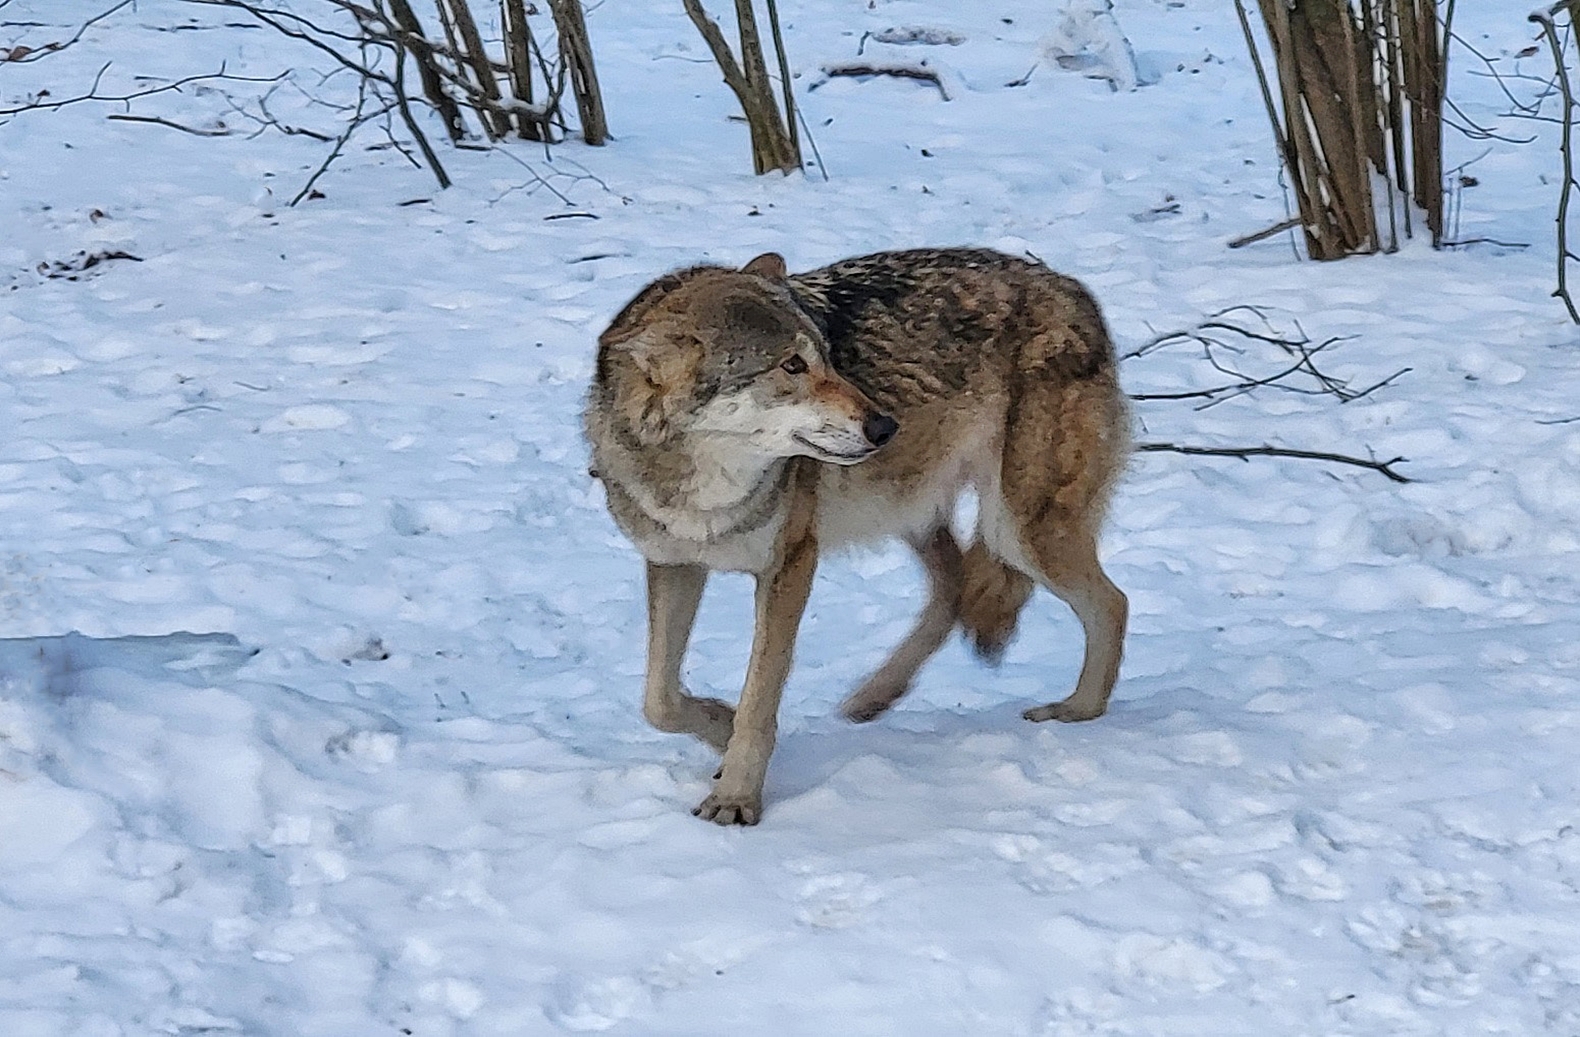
{"x": 1219, "y": 334}
{"x": 157, "y": 120}
{"x": 1261, "y": 235}
{"x": 23, "y": 54}
{"x": 1245, "y": 453}
{"x": 44, "y": 102}
{"x": 860, "y": 69}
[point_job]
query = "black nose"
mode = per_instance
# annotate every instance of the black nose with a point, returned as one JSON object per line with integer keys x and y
{"x": 879, "y": 428}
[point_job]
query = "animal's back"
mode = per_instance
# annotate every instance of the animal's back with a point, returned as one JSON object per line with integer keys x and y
{"x": 955, "y": 343}
{"x": 913, "y": 326}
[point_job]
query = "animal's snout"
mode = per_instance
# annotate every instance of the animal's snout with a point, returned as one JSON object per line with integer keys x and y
{"x": 879, "y": 428}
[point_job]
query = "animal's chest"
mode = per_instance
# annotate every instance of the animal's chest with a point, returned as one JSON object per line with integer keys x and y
{"x": 738, "y": 552}
{"x": 686, "y": 538}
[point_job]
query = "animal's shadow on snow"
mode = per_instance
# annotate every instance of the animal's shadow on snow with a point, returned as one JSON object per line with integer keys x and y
{"x": 811, "y": 753}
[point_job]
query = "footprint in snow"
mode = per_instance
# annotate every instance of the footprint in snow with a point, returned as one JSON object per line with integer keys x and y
{"x": 593, "y": 1005}
{"x": 364, "y": 749}
{"x": 1042, "y": 869}
{"x": 836, "y": 901}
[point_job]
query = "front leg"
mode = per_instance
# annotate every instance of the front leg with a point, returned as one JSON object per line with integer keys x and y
{"x": 673, "y": 593}
{"x": 737, "y": 797}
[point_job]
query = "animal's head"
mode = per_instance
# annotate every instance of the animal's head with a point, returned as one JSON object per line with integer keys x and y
{"x": 728, "y": 355}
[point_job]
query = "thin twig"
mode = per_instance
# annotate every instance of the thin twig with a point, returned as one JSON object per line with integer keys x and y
{"x": 159, "y": 121}
{"x": 352, "y": 126}
{"x": 1277, "y": 228}
{"x": 39, "y": 53}
{"x": 404, "y": 107}
{"x": 1475, "y": 131}
{"x": 1550, "y": 33}
{"x": 267, "y": 120}
{"x": 1461, "y": 242}
{"x": 538, "y": 180}
{"x": 1248, "y": 452}
{"x": 817, "y": 155}
{"x": 1218, "y": 334}
{"x": 784, "y": 77}
{"x": 1501, "y": 78}
{"x": 1168, "y": 337}
{"x": 53, "y": 104}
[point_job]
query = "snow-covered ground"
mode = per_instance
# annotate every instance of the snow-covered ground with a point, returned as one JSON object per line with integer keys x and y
{"x": 319, "y": 681}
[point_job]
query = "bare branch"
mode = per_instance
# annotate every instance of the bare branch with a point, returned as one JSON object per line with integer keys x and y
{"x": 1218, "y": 334}
{"x": 160, "y": 121}
{"x": 1227, "y": 332}
{"x": 50, "y": 104}
{"x": 784, "y": 78}
{"x": 1549, "y": 31}
{"x": 404, "y": 107}
{"x": 1463, "y": 242}
{"x": 266, "y": 121}
{"x": 39, "y": 53}
{"x": 456, "y": 72}
{"x": 1501, "y": 78}
{"x": 1277, "y": 228}
{"x": 357, "y": 119}
{"x": 1245, "y": 453}
{"x": 773, "y": 144}
{"x": 899, "y": 71}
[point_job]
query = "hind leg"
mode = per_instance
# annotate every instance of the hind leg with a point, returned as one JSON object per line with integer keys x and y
{"x": 1068, "y": 566}
{"x": 1063, "y": 449}
{"x": 940, "y": 554}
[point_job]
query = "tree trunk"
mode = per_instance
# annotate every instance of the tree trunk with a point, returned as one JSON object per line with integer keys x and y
{"x": 494, "y": 122}
{"x": 432, "y": 85}
{"x": 772, "y": 144}
{"x": 518, "y": 56}
{"x": 1355, "y": 87}
{"x": 576, "y": 53}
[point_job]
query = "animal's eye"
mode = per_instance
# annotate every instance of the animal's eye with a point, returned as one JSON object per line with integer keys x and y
{"x": 795, "y": 365}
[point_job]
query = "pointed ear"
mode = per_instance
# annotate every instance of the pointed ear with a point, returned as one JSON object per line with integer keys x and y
{"x": 770, "y": 265}
{"x": 632, "y": 319}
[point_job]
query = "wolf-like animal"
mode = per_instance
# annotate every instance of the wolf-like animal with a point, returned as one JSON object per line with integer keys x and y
{"x": 749, "y": 419}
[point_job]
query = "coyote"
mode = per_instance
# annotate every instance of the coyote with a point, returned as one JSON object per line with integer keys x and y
{"x": 748, "y": 419}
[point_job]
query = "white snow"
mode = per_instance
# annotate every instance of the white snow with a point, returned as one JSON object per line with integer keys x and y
{"x": 320, "y": 660}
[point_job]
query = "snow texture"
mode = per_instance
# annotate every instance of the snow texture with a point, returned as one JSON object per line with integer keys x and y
{"x": 319, "y": 687}
{"x": 1087, "y": 38}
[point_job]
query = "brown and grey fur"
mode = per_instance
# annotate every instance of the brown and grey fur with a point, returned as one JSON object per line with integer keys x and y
{"x": 718, "y": 452}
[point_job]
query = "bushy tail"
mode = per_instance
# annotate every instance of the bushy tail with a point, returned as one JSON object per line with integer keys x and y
{"x": 991, "y": 598}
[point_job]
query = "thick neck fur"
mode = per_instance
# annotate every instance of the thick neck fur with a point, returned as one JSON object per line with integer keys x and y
{"x": 722, "y": 476}
{"x": 698, "y": 487}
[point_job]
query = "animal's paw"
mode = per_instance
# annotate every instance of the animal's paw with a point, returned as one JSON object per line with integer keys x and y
{"x": 1068, "y": 712}
{"x": 724, "y": 809}
{"x": 865, "y": 705}
{"x": 863, "y": 712}
{"x": 872, "y": 699}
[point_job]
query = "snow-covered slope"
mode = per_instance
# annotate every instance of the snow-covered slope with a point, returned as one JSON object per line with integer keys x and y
{"x": 319, "y": 687}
